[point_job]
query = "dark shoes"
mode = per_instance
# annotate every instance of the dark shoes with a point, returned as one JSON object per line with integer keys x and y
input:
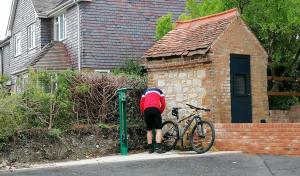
{"x": 158, "y": 149}
{"x": 151, "y": 150}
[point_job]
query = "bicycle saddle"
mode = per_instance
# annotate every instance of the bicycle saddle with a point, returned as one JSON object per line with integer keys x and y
{"x": 175, "y": 111}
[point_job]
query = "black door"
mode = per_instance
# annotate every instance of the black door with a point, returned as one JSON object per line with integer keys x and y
{"x": 241, "y": 105}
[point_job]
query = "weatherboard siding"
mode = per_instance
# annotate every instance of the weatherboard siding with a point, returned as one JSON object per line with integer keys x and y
{"x": 71, "y": 41}
{"x": 6, "y": 59}
{"x": 25, "y": 16}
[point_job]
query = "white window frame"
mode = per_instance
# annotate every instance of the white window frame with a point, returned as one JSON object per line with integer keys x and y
{"x": 18, "y": 44}
{"x": 102, "y": 71}
{"x": 60, "y": 27}
{"x": 31, "y": 36}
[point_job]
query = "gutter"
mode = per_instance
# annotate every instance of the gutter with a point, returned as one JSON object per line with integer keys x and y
{"x": 5, "y": 42}
{"x": 59, "y": 9}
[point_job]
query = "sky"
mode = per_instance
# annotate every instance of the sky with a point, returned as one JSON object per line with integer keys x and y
{"x": 4, "y": 15}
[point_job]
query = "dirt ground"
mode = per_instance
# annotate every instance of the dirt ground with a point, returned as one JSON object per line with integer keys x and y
{"x": 39, "y": 146}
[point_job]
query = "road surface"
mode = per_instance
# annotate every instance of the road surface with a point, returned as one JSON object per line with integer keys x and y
{"x": 227, "y": 164}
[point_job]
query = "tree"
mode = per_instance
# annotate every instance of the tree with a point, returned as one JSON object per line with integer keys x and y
{"x": 195, "y": 9}
{"x": 163, "y": 26}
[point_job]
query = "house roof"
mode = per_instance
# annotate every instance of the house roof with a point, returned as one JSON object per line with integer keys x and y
{"x": 192, "y": 36}
{"x": 43, "y": 6}
{"x": 4, "y": 42}
{"x": 53, "y": 56}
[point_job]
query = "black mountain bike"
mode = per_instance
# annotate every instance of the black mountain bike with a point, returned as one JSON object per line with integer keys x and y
{"x": 201, "y": 138}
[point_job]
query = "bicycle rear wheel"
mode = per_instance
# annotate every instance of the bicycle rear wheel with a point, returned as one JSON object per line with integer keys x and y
{"x": 203, "y": 137}
{"x": 170, "y": 134}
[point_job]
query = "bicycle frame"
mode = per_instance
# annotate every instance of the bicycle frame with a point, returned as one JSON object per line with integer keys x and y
{"x": 186, "y": 126}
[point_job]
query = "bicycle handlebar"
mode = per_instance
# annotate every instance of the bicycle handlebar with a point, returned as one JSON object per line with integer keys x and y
{"x": 196, "y": 108}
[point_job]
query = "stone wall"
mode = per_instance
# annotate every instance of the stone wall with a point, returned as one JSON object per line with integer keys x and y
{"x": 183, "y": 82}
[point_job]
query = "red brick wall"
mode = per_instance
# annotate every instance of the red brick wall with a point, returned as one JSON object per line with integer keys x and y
{"x": 259, "y": 138}
{"x": 279, "y": 116}
{"x": 238, "y": 39}
{"x": 289, "y": 116}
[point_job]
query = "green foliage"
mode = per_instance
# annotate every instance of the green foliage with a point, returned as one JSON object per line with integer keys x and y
{"x": 82, "y": 88}
{"x": 103, "y": 126}
{"x": 277, "y": 25}
{"x": 282, "y": 103}
{"x": 132, "y": 68}
{"x": 48, "y": 99}
{"x": 3, "y": 80}
{"x": 195, "y": 9}
{"x": 55, "y": 132}
{"x": 163, "y": 26}
{"x": 12, "y": 116}
{"x": 58, "y": 100}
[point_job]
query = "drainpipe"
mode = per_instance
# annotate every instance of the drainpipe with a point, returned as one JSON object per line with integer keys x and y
{"x": 78, "y": 33}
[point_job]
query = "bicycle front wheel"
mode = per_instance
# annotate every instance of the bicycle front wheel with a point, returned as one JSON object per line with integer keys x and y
{"x": 170, "y": 134}
{"x": 203, "y": 137}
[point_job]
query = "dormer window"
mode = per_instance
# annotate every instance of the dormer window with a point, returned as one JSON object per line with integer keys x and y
{"x": 60, "y": 27}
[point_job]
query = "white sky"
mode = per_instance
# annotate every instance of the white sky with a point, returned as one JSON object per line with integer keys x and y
{"x": 4, "y": 15}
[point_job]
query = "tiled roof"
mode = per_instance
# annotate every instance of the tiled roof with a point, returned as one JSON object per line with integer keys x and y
{"x": 43, "y": 6}
{"x": 116, "y": 30}
{"x": 53, "y": 56}
{"x": 192, "y": 36}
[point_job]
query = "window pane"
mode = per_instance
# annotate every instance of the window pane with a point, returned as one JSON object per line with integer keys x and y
{"x": 61, "y": 26}
{"x": 65, "y": 26}
{"x": 17, "y": 44}
{"x": 56, "y": 32}
{"x": 56, "y": 29}
{"x": 240, "y": 84}
{"x": 29, "y": 37}
{"x": 33, "y": 36}
{"x": 31, "y": 32}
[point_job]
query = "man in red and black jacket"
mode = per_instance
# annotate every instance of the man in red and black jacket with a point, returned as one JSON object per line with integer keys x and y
{"x": 152, "y": 104}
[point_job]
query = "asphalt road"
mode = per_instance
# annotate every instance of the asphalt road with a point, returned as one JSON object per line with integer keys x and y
{"x": 194, "y": 165}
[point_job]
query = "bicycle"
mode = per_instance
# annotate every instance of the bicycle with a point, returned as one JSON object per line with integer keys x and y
{"x": 202, "y": 131}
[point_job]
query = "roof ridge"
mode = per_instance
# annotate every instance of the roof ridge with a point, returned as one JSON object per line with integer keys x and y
{"x": 208, "y": 18}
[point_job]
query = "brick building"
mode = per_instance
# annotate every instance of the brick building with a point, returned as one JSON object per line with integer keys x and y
{"x": 214, "y": 62}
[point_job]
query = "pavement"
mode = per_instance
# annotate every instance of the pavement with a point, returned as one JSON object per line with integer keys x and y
{"x": 172, "y": 163}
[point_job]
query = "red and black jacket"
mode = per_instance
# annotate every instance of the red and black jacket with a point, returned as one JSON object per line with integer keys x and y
{"x": 153, "y": 98}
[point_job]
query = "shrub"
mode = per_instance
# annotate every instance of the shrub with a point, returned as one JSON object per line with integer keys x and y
{"x": 49, "y": 100}
{"x": 98, "y": 103}
{"x": 12, "y": 116}
{"x": 59, "y": 100}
